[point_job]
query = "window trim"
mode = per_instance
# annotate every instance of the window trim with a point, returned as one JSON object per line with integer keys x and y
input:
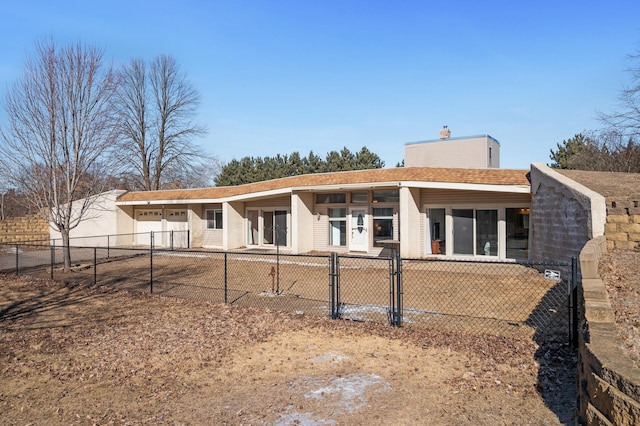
{"x": 215, "y": 220}
{"x": 333, "y": 219}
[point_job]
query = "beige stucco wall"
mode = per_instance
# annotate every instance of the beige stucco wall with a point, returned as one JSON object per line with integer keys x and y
{"x": 195, "y": 213}
{"x": 411, "y": 222}
{"x": 234, "y": 225}
{"x": 99, "y": 221}
{"x": 301, "y": 222}
{"x": 474, "y": 152}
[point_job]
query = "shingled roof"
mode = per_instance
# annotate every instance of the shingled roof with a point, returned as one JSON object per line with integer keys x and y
{"x": 317, "y": 180}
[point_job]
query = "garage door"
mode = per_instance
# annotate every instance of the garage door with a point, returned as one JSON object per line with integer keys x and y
{"x": 177, "y": 222}
{"x": 147, "y": 221}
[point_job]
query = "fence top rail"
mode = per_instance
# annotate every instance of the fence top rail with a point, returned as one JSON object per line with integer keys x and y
{"x": 487, "y": 261}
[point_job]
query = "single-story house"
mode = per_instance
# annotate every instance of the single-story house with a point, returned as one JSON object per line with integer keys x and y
{"x": 421, "y": 210}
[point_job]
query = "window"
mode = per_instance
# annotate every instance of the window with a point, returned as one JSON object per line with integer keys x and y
{"x": 331, "y": 198}
{"x": 487, "y": 232}
{"x": 214, "y": 219}
{"x": 386, "y": 196}
{"x": 337, "y": 227}
{"x": 359, "y": 197}
{"x": 275, "y": 227}
{"x": 517, "y": 221}
{"x": 436, "y": 243}
{"x": 382, "y": 224}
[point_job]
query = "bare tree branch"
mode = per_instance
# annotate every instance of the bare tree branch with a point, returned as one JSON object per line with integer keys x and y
{"x": 157, "y": 105}
{"x": 61, "y": 129}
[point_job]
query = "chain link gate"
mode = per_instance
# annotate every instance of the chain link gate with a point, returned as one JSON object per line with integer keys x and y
{"x": 366, "y": 288}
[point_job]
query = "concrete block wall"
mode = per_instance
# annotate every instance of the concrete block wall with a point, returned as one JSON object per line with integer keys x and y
{"x": 564, "y": 215}
{"x": 609, "y": 382}
{"x": 623, "y": 222}
{"x": 23, "y": 229}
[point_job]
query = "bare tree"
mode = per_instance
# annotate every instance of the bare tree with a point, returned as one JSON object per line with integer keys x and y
{"x": 60, "y": 129}
{"x": 157, "y": 105}
{"x": 626, "y": 118}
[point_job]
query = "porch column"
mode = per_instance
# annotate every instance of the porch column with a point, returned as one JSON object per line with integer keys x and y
{"x": 233, "y": 225}
{"x": 301, "y": 222}
{"x": 410, "y": 222}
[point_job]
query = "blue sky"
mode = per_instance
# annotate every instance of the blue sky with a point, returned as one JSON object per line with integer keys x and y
{"x": 283, "y": 76}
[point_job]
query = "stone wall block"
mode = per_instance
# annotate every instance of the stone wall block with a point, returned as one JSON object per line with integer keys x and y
{"x": 617, "y": 211}
{"x": 618, "y": 218}
{"x": 629, "y": 227}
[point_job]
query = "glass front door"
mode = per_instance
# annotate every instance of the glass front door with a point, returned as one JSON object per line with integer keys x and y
{"x": 359, "y": 233}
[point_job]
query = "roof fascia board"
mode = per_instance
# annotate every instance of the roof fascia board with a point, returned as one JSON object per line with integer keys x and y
{"x": 519, "y": 189}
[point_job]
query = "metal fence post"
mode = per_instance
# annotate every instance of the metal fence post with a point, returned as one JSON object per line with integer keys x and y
{"x": 108, "y": 246}
{"x": 53, "y": 257}
{"x": 398, "y": 322}
{"x": 171, "y": 240}
{"x": 332, "y": 285}
{"x": 95, "y": 265}
{"x": 151, "y": 265}
{"x": 225, "y": 277}
{"x": 17, "y": 259}
{"x": 188, "y": 238}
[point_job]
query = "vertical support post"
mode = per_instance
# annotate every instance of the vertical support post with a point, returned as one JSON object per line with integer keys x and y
{"x": 151, "y": 265}
{"x": 398, "y": 322}
{"x": 277, "y": 263}
{"x": 225, "y": 278}
{"x": 151, "y": 240}
{"x": 108, "y": 246}
{"x": 332, "y": 285}
{"x": 171, "y": 240}
{"x": 17, "y": 259}
{"x": 95, "y": 266}
{"x": 574, "y": 301}
{"x": 392, "y": 298}
{"x": 188, "y": 238}
{"x": 53, "y": 257}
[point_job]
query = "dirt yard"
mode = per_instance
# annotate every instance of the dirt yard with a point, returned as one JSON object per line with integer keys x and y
{"x": 94, "y": 355}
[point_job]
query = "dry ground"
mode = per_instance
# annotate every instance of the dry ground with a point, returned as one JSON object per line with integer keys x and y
{"x": 505, "y": 299}
{"x": 620, "y": 271}
{"x": 73, "y": 354}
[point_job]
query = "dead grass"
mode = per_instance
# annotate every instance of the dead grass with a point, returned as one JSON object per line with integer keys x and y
{"x": 74, "y": 354}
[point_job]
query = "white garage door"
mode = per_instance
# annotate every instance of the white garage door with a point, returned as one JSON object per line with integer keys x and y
{"x": 147, "y": 221}
{"x": 177, "y": 222}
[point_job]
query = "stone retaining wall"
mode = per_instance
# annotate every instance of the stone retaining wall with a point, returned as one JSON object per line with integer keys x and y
{"x": 609, "y": 383}
{"x": 623, "y": 222}
{"x": 23, "y": 229}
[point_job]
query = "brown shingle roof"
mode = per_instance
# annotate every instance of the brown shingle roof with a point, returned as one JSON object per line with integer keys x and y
{"x": 416, "y": 174}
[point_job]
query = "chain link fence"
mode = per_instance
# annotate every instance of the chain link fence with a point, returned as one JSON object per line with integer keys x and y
{"x": 521, "y": 299}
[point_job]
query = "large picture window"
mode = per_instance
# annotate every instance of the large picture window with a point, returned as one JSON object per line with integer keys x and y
{"x": 338, "y": 227}
{"x": 214, "y": 219}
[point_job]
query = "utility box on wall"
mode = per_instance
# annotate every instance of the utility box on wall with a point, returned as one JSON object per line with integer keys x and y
{"x": 477, "y": 152}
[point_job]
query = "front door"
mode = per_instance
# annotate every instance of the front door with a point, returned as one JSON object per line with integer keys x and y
{"x": 359, "y": 235}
